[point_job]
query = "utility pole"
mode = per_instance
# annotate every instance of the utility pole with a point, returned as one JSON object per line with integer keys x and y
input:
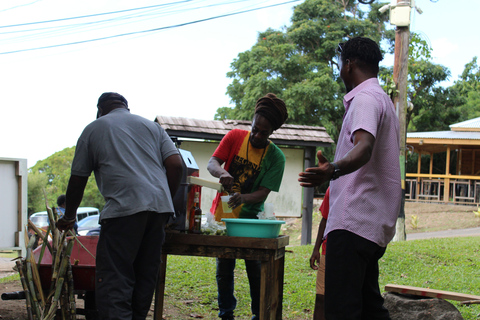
{"x": 400, "y": 75}
{"x": 400, "y": 16}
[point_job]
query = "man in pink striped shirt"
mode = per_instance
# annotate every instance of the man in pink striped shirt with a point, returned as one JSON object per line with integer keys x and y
{"x": 365, "y": 188}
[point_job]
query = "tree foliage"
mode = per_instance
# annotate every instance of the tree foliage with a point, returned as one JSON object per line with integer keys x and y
{"x": 299, "y": 63}
{"x": 467, "y": 90}
{"x": 50, "y": 177}
{"x": 430, "y": 106}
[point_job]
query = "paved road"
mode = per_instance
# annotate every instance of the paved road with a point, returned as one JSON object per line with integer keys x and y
{"x": 6, "y": 264}
{"x": 445, "y": 234}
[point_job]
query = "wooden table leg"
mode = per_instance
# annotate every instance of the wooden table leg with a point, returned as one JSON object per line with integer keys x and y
{"x": 269, "y": 293}
{"x": 280, "y": 265}
{"x": 160, "y": 290}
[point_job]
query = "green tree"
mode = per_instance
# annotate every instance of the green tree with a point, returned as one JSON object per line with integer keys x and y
{"x": 431, "y": 106}
{"x": 37, "y": 188}
{"x": 52, "y": 175}
{"x": 299, "y": 63}
{"x": 467, "y": 88}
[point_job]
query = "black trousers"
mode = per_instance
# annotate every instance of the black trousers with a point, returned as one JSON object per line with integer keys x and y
{"x": 351, "y": 278}
{"x": 127, "y": 264}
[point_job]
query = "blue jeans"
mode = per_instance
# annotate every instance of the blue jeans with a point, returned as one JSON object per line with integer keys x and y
{"x": 225, "y": 283}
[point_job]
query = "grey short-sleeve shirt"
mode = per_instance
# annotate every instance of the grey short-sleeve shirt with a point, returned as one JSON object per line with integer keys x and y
{"x": 126, "y": 152}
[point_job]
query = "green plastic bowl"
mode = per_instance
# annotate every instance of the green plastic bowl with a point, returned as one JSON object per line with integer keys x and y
{"x": 253, "y": 228}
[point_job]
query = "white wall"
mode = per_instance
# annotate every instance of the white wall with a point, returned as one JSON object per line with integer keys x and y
{"x": 13, "y": 203}
{"x": 287, "y": 202}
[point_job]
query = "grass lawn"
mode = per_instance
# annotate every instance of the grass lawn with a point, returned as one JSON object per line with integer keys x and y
{"x": 9, "y": 254}
{"x": 451, "y": 264}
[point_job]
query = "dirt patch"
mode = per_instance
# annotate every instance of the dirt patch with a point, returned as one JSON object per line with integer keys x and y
{"x": 12, "y": 309}
{"x": 437, "y": 217}
{"x": 17, "y": 310}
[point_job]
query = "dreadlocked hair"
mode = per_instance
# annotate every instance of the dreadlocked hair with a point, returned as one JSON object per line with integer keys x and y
{"x": 273, "y": 109}
{"x": 364, "y": 50}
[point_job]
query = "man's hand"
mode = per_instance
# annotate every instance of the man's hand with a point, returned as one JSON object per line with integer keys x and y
{"x": 65, "y": 224}
{"x": 315, "y": 259}
{"x": 226, "y": 180}
{"x": 235, "y": 200}
{"x": 316, "y": 176}
{"x": 214, "y": 166}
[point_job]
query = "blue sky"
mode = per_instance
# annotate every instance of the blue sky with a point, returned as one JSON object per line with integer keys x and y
{"x": 49, "y": 96}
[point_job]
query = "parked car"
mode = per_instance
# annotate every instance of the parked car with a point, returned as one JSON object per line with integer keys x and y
{"x": 83, "y": 212}
{"x": 94, "y": 232}
{"x": 40, "y": 219}
{"x": 87, "y": 224}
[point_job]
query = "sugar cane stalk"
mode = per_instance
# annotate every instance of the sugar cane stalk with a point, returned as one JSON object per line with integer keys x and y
{"x": 25, "y": 289}
{"x": 73, "y": 308}
{"x": 42, "y": 235}
{"x": 60, "y": 281}
{"x": 56, "y": 263}
{"x": 37, "y": 281}
{"x": 30, "y": 281}
{"x": 54, "y": 306}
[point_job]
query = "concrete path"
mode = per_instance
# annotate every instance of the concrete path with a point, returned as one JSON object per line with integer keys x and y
{"x": 6, "y": 265}
{"x": 444, "y": 234}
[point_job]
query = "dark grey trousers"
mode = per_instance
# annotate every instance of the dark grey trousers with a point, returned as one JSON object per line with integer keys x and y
{"x": 351, "y": 278}
{"x": 127, "y": 264}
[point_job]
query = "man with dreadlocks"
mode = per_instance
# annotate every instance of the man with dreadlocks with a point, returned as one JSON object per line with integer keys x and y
{"x": 253, "y": 167}
{"x": 365, "y": 188}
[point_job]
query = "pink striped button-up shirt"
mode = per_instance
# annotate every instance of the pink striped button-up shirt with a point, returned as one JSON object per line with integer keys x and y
{"x": 367, "y": 202}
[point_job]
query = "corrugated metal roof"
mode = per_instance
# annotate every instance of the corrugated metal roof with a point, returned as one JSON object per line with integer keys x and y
{"x": 469, "y": 124}
{"x": 465, "y": 135}
{"x": 288, "y": 134}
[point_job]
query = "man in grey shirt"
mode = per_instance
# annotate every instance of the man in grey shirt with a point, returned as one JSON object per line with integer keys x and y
{"x": 138, "y": 170}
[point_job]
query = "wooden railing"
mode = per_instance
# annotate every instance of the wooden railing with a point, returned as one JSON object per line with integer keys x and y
{"x": 442, "y": 188}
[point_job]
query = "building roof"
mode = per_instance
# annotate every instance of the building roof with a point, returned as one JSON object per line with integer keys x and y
{"x": 288, "y": 134}
{"x": 469, "y": 125}
{"x": 464, "y": 135}
{"x": 465, "y": 130}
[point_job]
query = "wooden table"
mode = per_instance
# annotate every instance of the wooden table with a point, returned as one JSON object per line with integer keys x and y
{"x": 271, "y": 253}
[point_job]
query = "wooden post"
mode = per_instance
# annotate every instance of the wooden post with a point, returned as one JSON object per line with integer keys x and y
{"x": 419, "y": 170}
{"x": 473, "y": 162}
{"x": 446, "y": 195}
{"x": 160, "y": 289}
{"x": 307, "y": 207}
{"x": 431, "y": 164}
{"x": 400, "y": 74}
{"x": 472, "y": 172}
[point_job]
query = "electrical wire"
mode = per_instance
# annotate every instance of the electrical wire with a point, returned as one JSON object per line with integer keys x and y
{"x": 146, "y": 31}
{"x": 49, "y": 32}
{"x": 20, "y": 5}
{"x": 52, "y": 31}
{"x": 92, "y": 15}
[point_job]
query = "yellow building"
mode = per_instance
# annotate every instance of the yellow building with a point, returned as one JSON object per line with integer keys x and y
{"x": 460, "y": 186}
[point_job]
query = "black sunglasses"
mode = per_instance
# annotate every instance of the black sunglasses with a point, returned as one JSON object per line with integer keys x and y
{"x": 340, "y": 47}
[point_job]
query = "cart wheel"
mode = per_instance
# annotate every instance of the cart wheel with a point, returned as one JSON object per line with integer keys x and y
{"x": 91, "y": 312}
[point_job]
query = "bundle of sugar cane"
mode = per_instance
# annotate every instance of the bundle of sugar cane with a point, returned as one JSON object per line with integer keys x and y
{"x": 44, "y": 304}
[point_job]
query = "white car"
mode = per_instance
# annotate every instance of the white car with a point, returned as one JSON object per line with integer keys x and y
{"x": 40, "y": 219}
{"x": 87, "y": 224}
